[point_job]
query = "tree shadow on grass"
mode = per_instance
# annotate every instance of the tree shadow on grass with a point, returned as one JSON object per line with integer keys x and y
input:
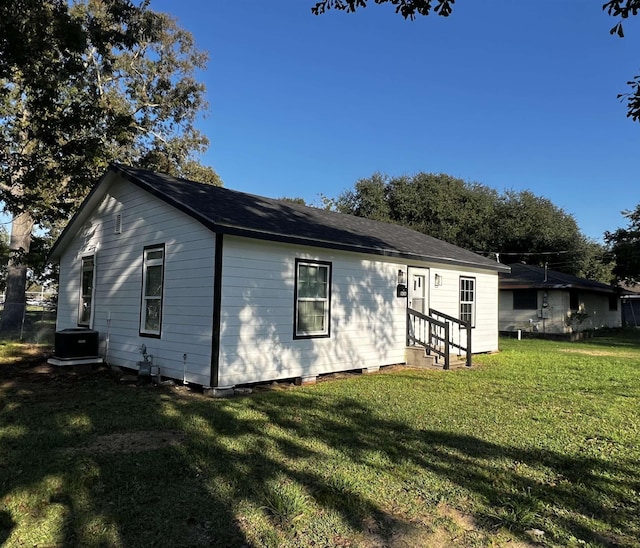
{"x": 6, "y": 526}
{"x": 517, "y": 487}
{"x": 62, "y": 487}
{"x": 249, "y": 471}
{"x": 572, "y": 493}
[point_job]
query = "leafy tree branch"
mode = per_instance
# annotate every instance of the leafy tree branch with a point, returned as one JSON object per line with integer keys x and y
{"x": 409, "y": 9}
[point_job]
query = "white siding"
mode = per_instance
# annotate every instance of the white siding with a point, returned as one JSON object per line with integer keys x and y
{"x": 555, "y": 320}
{"x": 446, "y": 298}
{"x": 368, "y": 321}
{"x": 367, "y": 325}
{"x": 188, "y": 285}
{"x": 596, "y": 306}
{"x": 257, "y": 341}
{"x": 513, "y": 320}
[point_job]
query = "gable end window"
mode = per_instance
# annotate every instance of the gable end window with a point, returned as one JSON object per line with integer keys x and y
{"x": 468, "y": 300}
{"x": 312, "y": 306}
{"x": 86, "y": 291}
{"x": 525, "y": 299}
{"x": 152, "y": 290}
{"x": 613, "y": 303}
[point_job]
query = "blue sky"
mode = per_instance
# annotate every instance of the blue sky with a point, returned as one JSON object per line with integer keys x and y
{"x": 513, "y": 95}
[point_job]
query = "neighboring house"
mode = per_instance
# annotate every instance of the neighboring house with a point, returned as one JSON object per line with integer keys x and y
{"x": 224, "y": 288}
{"x": 631, "y": 306}
{"x": 540, "y": 300}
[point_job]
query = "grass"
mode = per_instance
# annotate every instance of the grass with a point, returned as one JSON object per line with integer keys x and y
{"x": 536, "y": 445}
{"x": 38, "y": 326}
{"x": 14, "y": 352}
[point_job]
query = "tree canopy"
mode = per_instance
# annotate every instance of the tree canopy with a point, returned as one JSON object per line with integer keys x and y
{"x": 511, "y": 227}
{"x": 625, "y": 246}
{"x": 409, "y": 9}
{"x": 82, "y": 84}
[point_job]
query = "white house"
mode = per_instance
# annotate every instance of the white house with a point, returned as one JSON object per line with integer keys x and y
{"x": 224, "y": 288}
{"x": 545, "y": 301}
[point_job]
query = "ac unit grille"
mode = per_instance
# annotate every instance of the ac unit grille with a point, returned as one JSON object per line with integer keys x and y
{"x": 76, "y": 343}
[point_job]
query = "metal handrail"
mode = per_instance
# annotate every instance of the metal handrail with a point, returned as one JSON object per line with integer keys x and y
{"x": 461, "y": 325}
{"x": 426, "y": 329}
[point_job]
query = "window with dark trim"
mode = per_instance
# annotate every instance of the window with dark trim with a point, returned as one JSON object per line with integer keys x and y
{"x": 152, "y": 291}
{"x": 312, "y": 300}
{"x": 525, "y": 299}
{"x": 468, "y": 300}
{"x": 574, "y": 300}
{"x": 86, "y": 291}
{"x": 613, "y": 303}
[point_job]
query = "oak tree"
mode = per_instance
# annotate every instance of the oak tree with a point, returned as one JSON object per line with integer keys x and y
{"x": 83, "y": 84}
{"x": 625, "y": 247}
{"x": 510, "y": 226}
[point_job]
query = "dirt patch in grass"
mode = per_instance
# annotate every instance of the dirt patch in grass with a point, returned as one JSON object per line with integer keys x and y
{"x": 598, "y": 353}
{"x": 450, "y": 527}
{"x": 131, "y": 442}
{"x": 49, "y": 378}
{"x": 461, "y": 529}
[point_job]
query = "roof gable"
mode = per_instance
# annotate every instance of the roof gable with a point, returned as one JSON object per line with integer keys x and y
{"x": 231, "y": 212}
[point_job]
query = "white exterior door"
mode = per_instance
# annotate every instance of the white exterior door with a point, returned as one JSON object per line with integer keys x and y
{"x": 418, "y": 280}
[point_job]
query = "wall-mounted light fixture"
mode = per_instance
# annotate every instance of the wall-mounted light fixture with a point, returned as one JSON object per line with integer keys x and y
{"x": 438, "y": 280}
{"x": 401, "y": 288}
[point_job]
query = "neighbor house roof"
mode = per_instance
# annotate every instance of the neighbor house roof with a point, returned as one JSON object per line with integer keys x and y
{"x": 228, "y": 211}
{"x": 524, "y": 276}
{"x": 629, "y": 291}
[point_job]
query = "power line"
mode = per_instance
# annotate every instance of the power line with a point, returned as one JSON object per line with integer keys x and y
{"x": 497, "y": 254}
{"x": 530, "y": 252}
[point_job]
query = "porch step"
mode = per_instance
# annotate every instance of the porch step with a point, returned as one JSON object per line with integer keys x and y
{"x": 416, "y": 356}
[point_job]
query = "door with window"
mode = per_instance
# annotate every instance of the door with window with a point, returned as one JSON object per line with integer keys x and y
{"x": 417, "y": 298}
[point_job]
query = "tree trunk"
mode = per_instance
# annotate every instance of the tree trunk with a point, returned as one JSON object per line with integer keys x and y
{"x": 15, "y": 296}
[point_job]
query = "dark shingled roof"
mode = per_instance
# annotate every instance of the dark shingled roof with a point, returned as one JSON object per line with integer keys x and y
{"x": 231, "y": 212}
{"x": 524, "y": 276}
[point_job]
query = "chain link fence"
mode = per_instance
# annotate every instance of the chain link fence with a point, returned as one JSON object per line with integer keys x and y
{"x": 36, "y": 321}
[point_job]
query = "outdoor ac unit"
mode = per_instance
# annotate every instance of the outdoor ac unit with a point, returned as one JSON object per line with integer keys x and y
{"x": 76, "y": 343}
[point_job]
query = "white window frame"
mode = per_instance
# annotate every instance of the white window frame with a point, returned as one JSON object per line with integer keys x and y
{"x": 87, "y": 264}
{"x": 147, "y": 262}
{"x": 298, "y": 332}
{"x": 468, "y": 293}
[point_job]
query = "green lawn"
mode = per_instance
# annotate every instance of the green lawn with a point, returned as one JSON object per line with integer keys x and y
{"x": 38, "y": 326}
{"x": 537, "y": 444}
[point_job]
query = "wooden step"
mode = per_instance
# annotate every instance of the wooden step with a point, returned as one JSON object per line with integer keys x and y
{"x": 416, "y": 356}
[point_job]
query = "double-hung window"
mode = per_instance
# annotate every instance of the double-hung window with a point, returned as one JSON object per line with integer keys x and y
{"x": 152, "y": 285}
{"x": 312, "y": 299}
{"x": 468, "y": 300}
{"x": 525, "y": 299}
{"x": 86, "y": 291}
